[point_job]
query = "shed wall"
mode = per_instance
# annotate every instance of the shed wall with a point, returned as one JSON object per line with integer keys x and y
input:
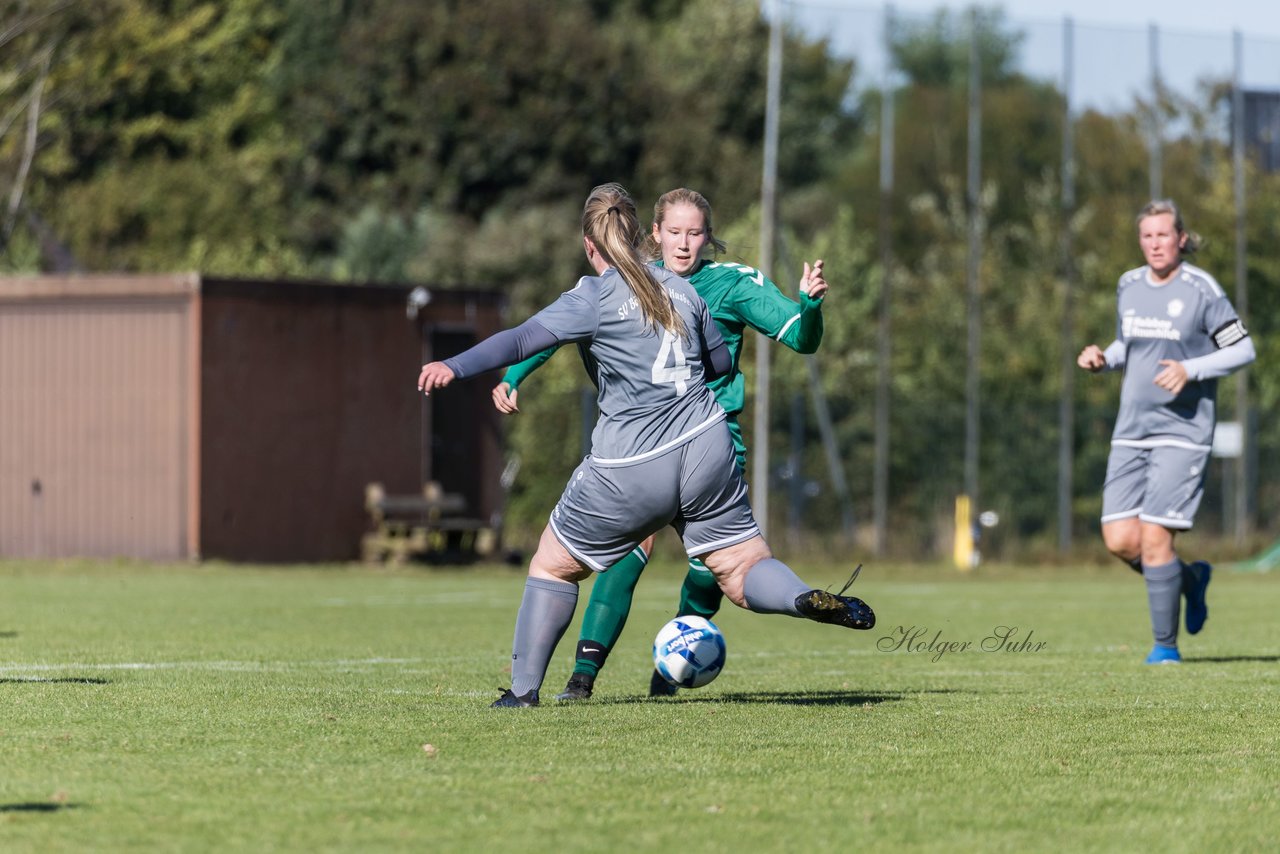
{"x": 94, "y": 421}
{"x": 307, "y": 395}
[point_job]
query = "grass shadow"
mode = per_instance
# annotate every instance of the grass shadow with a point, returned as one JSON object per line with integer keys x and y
{"x": 786, "y": 698}
{"x": 8, "y": 634}
{"x": 61, "y": 680}
{"x": 38, "y": 806}
{"x": 1229, "y": 659}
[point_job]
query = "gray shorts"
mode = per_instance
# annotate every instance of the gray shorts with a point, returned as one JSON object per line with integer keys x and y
{"x": 606, "y": 511}
{"x": 1162, "y": 485}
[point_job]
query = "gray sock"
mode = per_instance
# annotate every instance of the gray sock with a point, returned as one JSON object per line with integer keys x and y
{"x": 545, "y": 612}
{"x": 1164, "y": 598}
{"x": 771, "y": 588}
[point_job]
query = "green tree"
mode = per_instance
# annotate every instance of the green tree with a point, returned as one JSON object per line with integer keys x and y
{"x": 160, "y": 147}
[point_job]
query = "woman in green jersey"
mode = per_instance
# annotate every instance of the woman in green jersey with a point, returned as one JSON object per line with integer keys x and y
{"x": 739, "y": 297}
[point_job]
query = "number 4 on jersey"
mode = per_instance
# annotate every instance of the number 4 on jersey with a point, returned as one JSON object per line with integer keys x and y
{"x": 677, "y": 373}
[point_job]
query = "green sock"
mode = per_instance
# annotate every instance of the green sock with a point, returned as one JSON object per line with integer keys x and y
{"x": 700, "y": 594}
{"x": 607, "y": 611}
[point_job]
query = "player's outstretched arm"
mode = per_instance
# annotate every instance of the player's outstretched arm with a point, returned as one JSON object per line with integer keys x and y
{"x": 760, "y": 304}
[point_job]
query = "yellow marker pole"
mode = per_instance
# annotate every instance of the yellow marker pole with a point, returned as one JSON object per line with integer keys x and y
{"x": 963, "y": 551}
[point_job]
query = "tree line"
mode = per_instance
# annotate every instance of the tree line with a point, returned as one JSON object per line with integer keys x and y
{"x": 452, "y": 143}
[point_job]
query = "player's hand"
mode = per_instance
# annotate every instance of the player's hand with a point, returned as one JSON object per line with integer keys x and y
{"x": 1091, "y": 358}
{"x": 1173, "y": 378}
{"x": 434, "y": 375}
{"x": 504, "y": 399}
{"x": 812, "y": 283}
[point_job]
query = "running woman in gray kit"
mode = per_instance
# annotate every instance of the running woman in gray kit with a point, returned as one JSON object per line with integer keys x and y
{"x": 660, "y": 452}
{"x": 1176, "y": 334}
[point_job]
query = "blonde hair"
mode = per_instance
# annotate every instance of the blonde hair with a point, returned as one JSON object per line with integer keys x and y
{"x": 682, "y": 196}
{"x": 1166, "y": 206}
{"x": 609, "y": 219}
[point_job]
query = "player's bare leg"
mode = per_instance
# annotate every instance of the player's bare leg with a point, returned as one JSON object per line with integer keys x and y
{"x": 1150, "y": 547}
{"x": 752, "y": 578}
{"x": 1123, "y": 539}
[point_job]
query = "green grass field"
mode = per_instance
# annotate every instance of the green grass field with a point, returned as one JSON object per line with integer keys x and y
{"x": 192, "y": 708}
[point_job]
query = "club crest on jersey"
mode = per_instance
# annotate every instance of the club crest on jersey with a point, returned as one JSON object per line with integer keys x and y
{"x": 1175, "y": 307}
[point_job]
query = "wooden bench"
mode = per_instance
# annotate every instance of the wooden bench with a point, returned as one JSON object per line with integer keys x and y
{"x": 422, "y": 527}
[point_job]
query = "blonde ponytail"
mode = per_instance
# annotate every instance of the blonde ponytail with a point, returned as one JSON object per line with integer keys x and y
{"x": 609, "y": 219}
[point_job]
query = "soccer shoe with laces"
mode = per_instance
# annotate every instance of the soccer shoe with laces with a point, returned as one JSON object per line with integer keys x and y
{"x": 822, "y": 606}
{"x": 578, "y": 688}
{"x": 511, "y": 700}
{"x": 1195, "y": 582}
{"x": 660, "y": 687}
{"x": 1164, "y": 655}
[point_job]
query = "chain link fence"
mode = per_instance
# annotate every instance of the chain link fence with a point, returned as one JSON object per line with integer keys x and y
{"x": 1077, "y": 126}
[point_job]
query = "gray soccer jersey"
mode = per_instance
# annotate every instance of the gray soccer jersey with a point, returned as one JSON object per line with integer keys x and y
{"x": 652, "y": 392}
{"x": 1186, "y": 317}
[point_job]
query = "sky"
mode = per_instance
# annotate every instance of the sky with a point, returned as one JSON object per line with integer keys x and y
{"x": 1253, "y": 17}
{"x": 1112, "y": 56}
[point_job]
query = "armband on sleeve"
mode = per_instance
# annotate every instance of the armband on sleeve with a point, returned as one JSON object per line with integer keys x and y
{"x": 1229, "y": 333}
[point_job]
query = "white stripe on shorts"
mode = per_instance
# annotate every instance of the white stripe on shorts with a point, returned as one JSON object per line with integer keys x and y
{"x": 703, "y": 548}
{"x": 1161, "y": 443}
{"x": 598, "y": 567}
{"x": 662, "y": 449}
{"x": 1180, "y": 524}
{"x": 1126, "y": 514}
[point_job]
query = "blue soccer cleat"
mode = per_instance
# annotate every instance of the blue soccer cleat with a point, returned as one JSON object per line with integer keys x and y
{"x": 1195, "y": 582}
{"x": 1164, "y": 655}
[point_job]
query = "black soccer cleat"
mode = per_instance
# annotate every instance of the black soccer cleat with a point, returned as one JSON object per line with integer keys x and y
{"x": 822, "y": 606}
{"x": 578, "y": 688}
{"x": 511, "y": 700}
{"x": 660, "y": 687}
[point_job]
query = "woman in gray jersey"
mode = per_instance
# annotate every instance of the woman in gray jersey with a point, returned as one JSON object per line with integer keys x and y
{"x": 1176, "y": 335}
{"x": 660, "y": 452}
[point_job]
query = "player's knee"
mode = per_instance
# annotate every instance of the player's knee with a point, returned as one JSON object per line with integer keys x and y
{"x": 1125, "y": 542}
{"x": 731, "y": 564}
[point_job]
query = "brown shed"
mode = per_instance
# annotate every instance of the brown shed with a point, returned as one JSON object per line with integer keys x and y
{"x": 183, "y": 416}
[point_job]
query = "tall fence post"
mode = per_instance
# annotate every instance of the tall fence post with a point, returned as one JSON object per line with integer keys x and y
{"x": 974, "y": 204}
{"x": 1066, "y": 406}
{"x": 1243, "y": 463}
{"x": 768, "y": 235}
{"x": 1155, "y": 165}
{"x": 880, "y": 475}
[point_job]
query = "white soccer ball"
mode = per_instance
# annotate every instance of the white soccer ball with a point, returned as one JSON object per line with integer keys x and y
{"x": 689, "y": 652}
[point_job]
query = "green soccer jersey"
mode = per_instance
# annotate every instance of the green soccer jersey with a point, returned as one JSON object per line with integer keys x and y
{"x": 738, "y": 296}
{"x": 741, "y": 296}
